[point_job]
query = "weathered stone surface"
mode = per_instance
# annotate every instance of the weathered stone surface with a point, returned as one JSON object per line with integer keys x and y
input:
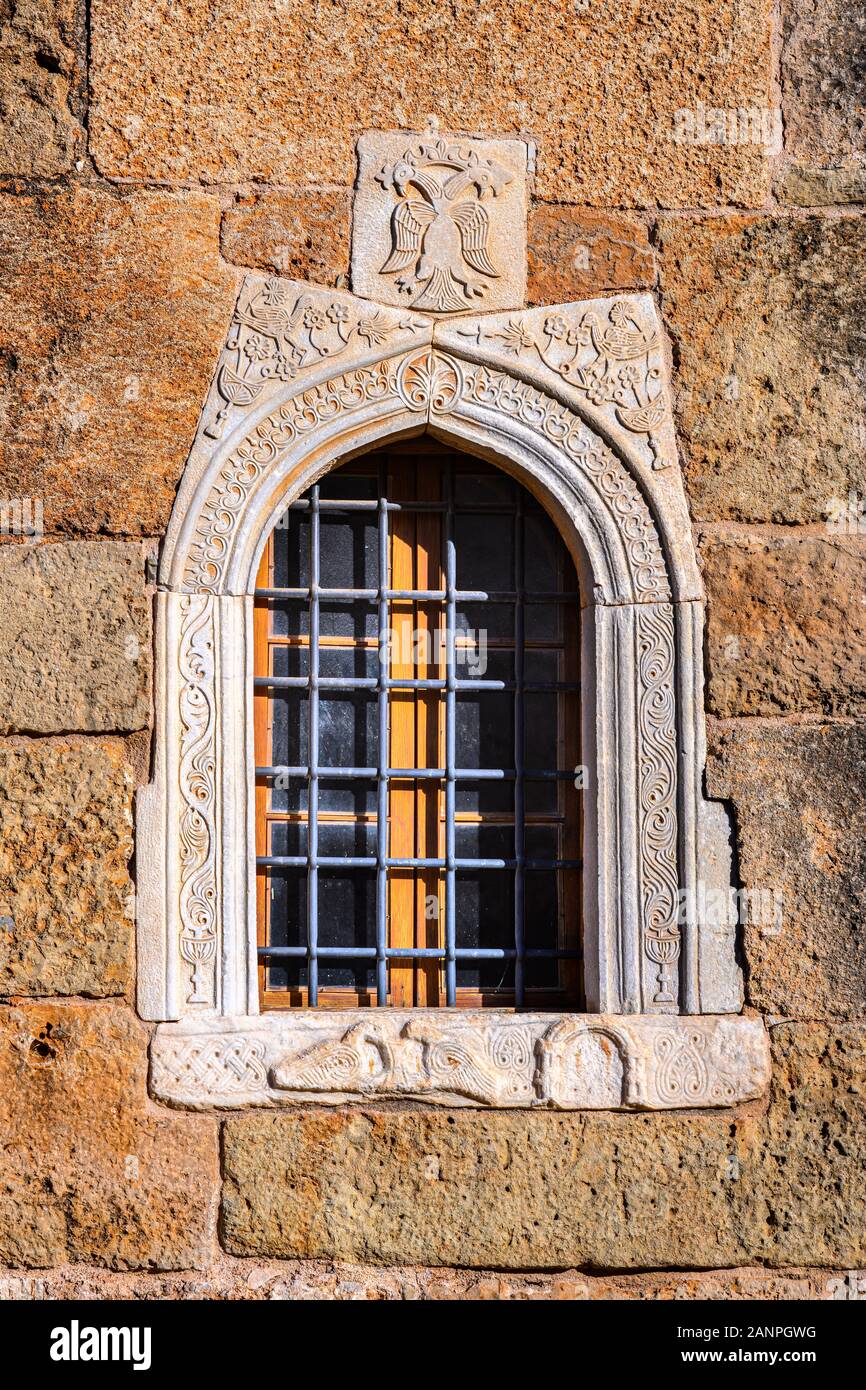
{"x": 66, "y": 921}
{"x": 511, "y": 1190}
{"x": 810, "y": 185}
{"x": 823, "y": 78}
{"x": 280, "y": 93}
{"x": 75, "y": 639}
{"x": 786, "y": 629}
{"x": 770, "y": 354}
{"x": 542, "y": 1190}
{"x": 798, "y": 795}
{"x": 814, "y": 1149}
{"x": 89, "y": 1170}
{"x": 304, "y": 236}
{"x": 39, "y": 75}
{"x": 574, "y": 252}
{"x": 230, "y": 1279}
{"x": 112, "y": 310}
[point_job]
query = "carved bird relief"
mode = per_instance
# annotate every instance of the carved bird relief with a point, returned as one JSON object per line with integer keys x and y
{"x": 440, "y": 239}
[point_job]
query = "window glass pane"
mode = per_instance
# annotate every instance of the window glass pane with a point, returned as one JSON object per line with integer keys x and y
{"x": 345, "y": 486}
{"x": 290, "y": 731}
{"x": 541, "y": 730}
{"x": 292, "y": 551}
{"x": 347, "y": 917}
{"x": 490, "y": 488}
{"x": 287, "y": 912}
{"x": 485, "y": 906}
{"x": 487, "y": 622}
{"x": 348, "y": 728}
{"x": 542, "y": 906}
{"x": 290, "y": 661}
{"x": 348, "y": 550}
{"x": 289, "y": 617}
{"x": 485, "y": 551}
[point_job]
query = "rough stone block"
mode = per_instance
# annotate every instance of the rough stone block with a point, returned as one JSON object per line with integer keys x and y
{"x": 798, "y": 796}
{"x": 304, "y": 236}
{"x": 89, "y": 1169}
{"x": 280, "y": 93}
{"x": 513, "y": 1190}
{"x": 766, "y": 318}
{"x": 814, "y": 1149}
{"x": 75, "y": 639}
{"x": 810, "y": 185}
{"x": 823, "y": 78}
{"x": 40, "y": 42}
{"x": 575, "y": 252}
{"x": 786, "y": 629}
{"x": 65, "y": 894}
{"x": 113, "y": 307}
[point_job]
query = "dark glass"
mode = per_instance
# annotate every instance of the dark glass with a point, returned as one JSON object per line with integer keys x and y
{"x": 490, "y": 488}
{"x": 348, "y": 550}
{"x": 484, "y": 737}
{"x": 485, "y": 551}
{"x": 541, "y": 906}
{"x": 485, "y": 906}
{"x": 292, "y": 551}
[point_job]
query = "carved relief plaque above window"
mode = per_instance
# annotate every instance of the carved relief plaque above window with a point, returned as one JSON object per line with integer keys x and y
{"x": 440, "y": 222}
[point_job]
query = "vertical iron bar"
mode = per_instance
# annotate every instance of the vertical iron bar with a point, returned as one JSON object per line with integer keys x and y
{"x": 519, "y": 791}
{"x": 382, "y": 770}
{"x": 450, "y": 743}
{"x": 313, "y": 760}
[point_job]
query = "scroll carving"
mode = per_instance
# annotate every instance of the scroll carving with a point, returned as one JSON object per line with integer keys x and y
{"x": 612, "y": 481}
{"x": 198, "y": 885}
{"x": 657, "y": 794}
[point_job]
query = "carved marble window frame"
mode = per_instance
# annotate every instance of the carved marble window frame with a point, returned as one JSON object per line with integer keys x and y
{"x": 532, "y": 391}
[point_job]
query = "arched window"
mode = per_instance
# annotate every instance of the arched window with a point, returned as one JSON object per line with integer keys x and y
{"x": 417, "y": 722}
{"x": 361, "y": 626}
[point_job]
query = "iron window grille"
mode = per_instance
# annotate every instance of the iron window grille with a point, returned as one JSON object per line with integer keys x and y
{"x": 310, "y": 597}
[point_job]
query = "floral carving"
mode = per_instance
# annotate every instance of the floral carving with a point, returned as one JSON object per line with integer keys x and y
{"x": 610, "y": 478}
{"x": 197, "y": 789}
{"x": 657, "y": 792}
{"x": 616, "y": 363}
{"x": 298, "y": 416}
{"x": 440, "y": 228}
{"x": 430, "y": 380}
{"x": 273, "y": 337}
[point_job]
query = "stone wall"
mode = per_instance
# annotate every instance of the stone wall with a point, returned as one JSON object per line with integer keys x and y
{"x": 152, "y": 152}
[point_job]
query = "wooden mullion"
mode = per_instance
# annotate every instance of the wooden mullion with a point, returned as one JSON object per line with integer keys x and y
{"x": 401, "y": 751}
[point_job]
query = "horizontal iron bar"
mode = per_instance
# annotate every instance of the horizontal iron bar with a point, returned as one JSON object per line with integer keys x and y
{"x": 374, "y": 683}
{"x": 410, "y": 953}
{"x": 460, "y": 595}
{"x": 461, "y": 774}
{"x": 303, "y": 861}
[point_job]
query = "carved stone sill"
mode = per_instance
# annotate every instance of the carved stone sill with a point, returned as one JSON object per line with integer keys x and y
{"x": 442, "y": 1057}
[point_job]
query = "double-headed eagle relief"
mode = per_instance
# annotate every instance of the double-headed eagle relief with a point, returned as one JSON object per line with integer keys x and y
{"x": 440, "y": 226}
{"x": 439, "y": 222}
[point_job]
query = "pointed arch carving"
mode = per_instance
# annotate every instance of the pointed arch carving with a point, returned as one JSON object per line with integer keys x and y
{"x": 308, "y": 378}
